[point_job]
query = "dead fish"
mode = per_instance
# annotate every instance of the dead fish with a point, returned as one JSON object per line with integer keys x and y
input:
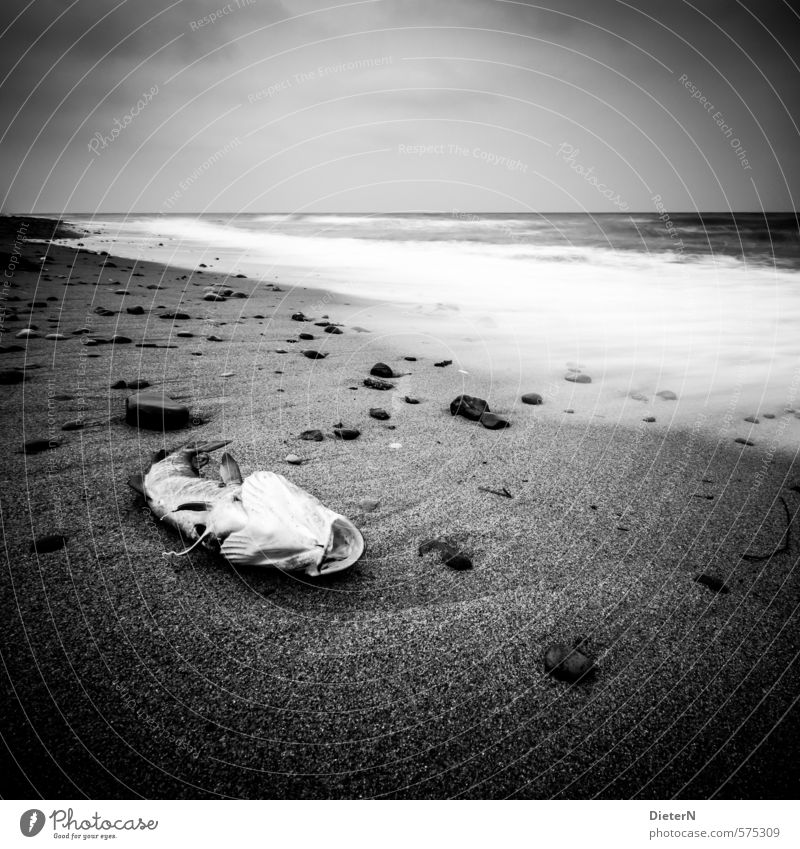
{"x": 263, "y": 520}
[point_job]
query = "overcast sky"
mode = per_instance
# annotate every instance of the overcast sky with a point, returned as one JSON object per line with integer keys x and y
{"x": 383, "y": 105}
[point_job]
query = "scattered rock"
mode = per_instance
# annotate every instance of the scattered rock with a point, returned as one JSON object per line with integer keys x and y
{"x": 346, "y": 433}
{"x": 298, "y": 316}
{"x": 155, "y": 411}
{"x": 49, "y": 542}
{"x": 410, "y": 359}
{"x": 36, "y": 446}
{"x": 55, "y": 336}
{"x": 293, "y": 459}
{"x": 214, "y": 338}
{"x": 375, "y": 383}
{"x": 713, "y": 583}
{"x": 532, "y": 398}
{"x": 443, "y": 363}
{"x": 567, "y": 663}
{"x": 312, "y": 435}
{"x": 379, "y": 413}
{"x": 469, "y": 407}
{"x": 333, "y": 329}
{"x": 306, "y": 336}
{"x": 649, "y": 419}
{"x": 573, "y": 377}
{"x": 382, "y": 370}
{"x": 176, "y": 316}
{"x": 769, "y": 415}
{"x": 410, "y": 400}
{"x": 75, "y": 424}
{"x": 314, "y": 355}
{"x": 27, "y": 333}
{"x": 753, "y": 419}
{"x": 493, "y": 422}
{"x": 667, "y": 395}
{"x": 137, "y": 310}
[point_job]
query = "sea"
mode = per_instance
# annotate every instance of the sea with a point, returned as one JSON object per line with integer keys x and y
{"x": 705, "y": 306}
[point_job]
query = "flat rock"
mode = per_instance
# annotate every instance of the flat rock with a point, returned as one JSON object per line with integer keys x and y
{"x": 573, "y": 377}
{"x": 313, "y": 435}
{"x": 137, "y": 310}
{"x": 532, "y": 398}
{"x": 444, "y": 363}
{"x": 667, "y": 395}
{"x": 494, "y": 422}
{"x": 376, "y": 383}
{"x": 55, "y": 336}
{"x": 346, "y": 433}
{"x": 469, "y": 407}
{"x": 314, "y": 355}
{"x": 176, "y": 316}
{"x": 567, "y": 663}
{"x": 155, "y": 411}
{"x": 379, "y": 413}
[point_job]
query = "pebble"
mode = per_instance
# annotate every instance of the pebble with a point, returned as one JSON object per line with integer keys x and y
{"x": 753, "y": 419}
{"x": 577, "y": 378}
{"x": 379, "y": 413}
{"x": 532, "y": 398}
{"x": 213, "y": 296}
{"x": 137, "y": 310}
{"x": 493, "y": 422}
{"x": 306, "y": 336}
{"x": 713, "y": 583}
{"x": 410, "y": 359}
{"x": 293, "y": 459}
{"x": 55, "y": 336}
{"x": 566, "y": 663}
{"x": 298, "y": 316}
{"x": 155, "y": 411}
{"x": 27, "y": 333}
{"x": 742, "y": 441}
{"x": 346, "y": 433}
{"x": 36, "y": 446}
{"x": 376, "y": 383}
{"x": 649, "y": 419}
{"x": 214, "y": 338}
{"x": 331, "y": 329}
{"x": 312, "y": 435}
{"x": 667, "y": 395}
{"x": 314, "y": 355}
{"x": 410, "y": 400}
{"x": 469, "y": 407}
{"x": 47, "y": 543}
{"x": 381, "y": 370}
{"x": 443, "y": 363}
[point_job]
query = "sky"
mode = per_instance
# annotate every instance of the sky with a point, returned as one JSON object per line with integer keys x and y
{"x": 399, "y": 105}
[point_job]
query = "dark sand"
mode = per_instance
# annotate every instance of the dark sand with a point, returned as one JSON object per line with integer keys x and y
{"x": 130, "y": 674}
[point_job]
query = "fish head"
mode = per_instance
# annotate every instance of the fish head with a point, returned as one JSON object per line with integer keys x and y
{"x": 287, "y": 528}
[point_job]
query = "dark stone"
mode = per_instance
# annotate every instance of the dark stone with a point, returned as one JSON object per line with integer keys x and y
{"x": 241, "y": 276}
{"x": 742, "y": 441}
{"x": 577, "y": 378}
{"x": 469, "y": 407}
{"x": 382, "y": 370}
{"x": 11, "y": 376}
{"x": 137, "y": 384}
{"x": 667, "y": 395}
{"x": 567, "y": 663}
{"x": 493, "y": 422}
{"x": 532, "y": 398}
{"x": 306, "y": 336}
{"x": 214, "y": 338}
{"x": 121, "y": 340}
{"x": 137, "y": 310}
{"x": 375, "y": 383}
{"x": 378, "y": 413}
{"x": 213, "y": 296}
{"x": 714, "y": 584}
{"x": 346, "y": 433}
{"x": 184, "y": 334}
{"x": 443, "y": 363}
{"x": 36, "y": 446}
{"x": 298, "y": 316}
{"x": 649, "y": 419}
{"x": 103, "y": 311}
{"x": 769, "y": 415}
{"x": 410, "y": 400}
{"x": 752, "y": 419}
{"x": 120, "y": 384}
{"x": 312, "y": 435}
{"x": 331, "y": 329}
{"x": 155, "y": 411}
{"x": 48, "y": 543}
{"x": 176, "y": 316}
{"x": 76, "y": 424}
{"x": 321, "y": 323}
{"x": 10, "y": 349}
{"x": 314, "y": 355}
{"x": 410, "y": 359}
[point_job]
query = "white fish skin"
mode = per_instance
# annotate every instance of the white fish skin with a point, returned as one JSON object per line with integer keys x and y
{"x": 265, "y": 521}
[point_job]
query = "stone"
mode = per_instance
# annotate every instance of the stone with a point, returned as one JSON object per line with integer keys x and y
{"x": 493, "y": 422}
{"x": 382, "y": 370}
{"x": 469, "y": 407}
{"x": 48, "y": 543}
{"x": 379, "y": 413}
{"x": 577, "y": 378}
{"x": 667, "y": 395}
{"x": 567, "y": 663}
{"x": 36, "y": 446}
{"x": 649, "y": 419}
{"x": 314, "y": 355}
{"x": 121, "y": 340}
{"x": 55, "y": 336}
{"x": 306, "y": 336}
{"x": 184, "y": 334}
{"x": 532, "y": 398}
{"x": 293, "y": 459}
{"x": 120, "y": 384}
{"x": 742, "y": 441}
{"x": 176, "y": 316}
{"x": 27, "y": 333}
{"x": 214, "y": 338}
{"x": 10, "y": 349}
{"x": 443, "y": 363}
{"x": 375, "y": 383}
{"x": 410, "y": 359}
{"x": 410, "y": 400}
{"x": 155, "y": 411}
{"x": 312, "y": 435}
{"x": 751, "y": 419}
{"x": 298, "y": 316}
{"x": 712, "y": 583}
{"x": 332, "y": 329}
{"x": 137, "y": 310}
{"x": 346, "y": 433}
{"x": 213, "y": 296}
{"x": 769, "y": 415}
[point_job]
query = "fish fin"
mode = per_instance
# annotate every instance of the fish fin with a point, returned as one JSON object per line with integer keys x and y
{"x": 229, "y": 470}
{"x": 207, "y": 447}
{"x": 137, "y": 482}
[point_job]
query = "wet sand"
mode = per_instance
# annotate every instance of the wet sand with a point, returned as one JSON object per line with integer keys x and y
{"x": 133, "y": 674}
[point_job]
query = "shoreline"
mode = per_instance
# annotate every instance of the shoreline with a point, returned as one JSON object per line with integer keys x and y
{"x": 402, "y": 678}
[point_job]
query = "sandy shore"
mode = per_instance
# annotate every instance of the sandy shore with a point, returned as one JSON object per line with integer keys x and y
{"x": 131, "y": 674}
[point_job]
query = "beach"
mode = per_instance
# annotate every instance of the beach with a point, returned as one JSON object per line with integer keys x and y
{"x": 134, "y": 674}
